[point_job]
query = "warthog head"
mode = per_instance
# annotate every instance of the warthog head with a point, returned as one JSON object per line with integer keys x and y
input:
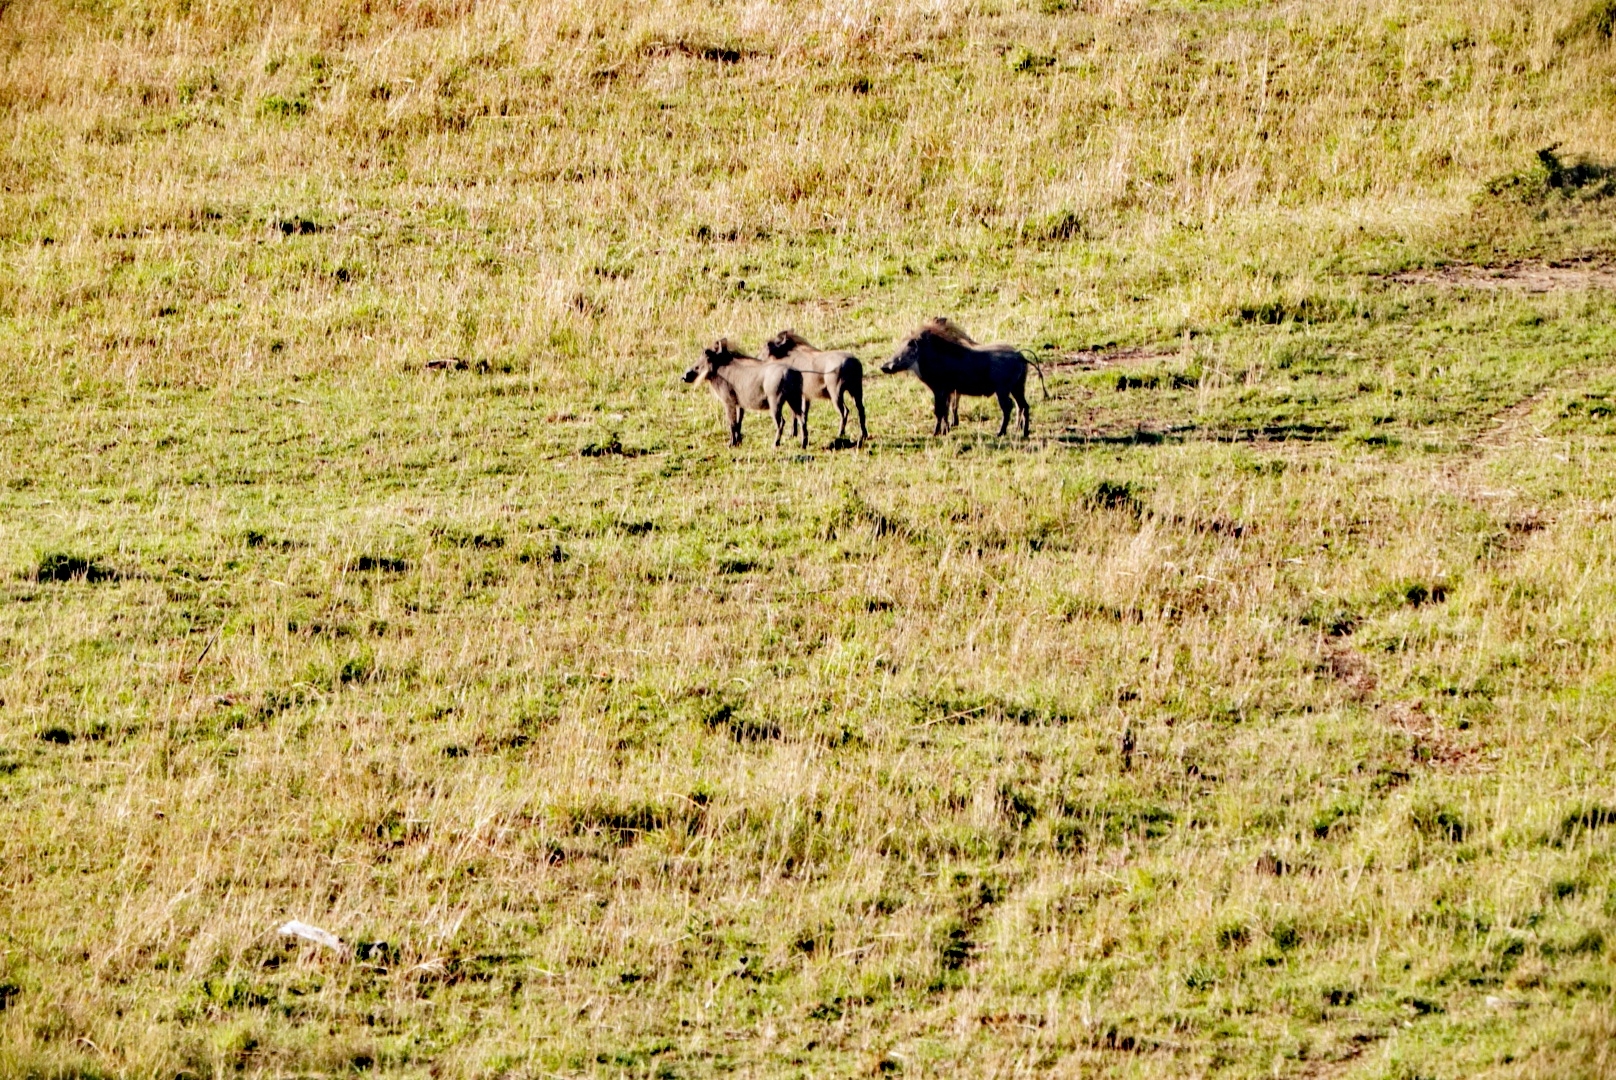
{"x": 907, "y": 356}
{"x": 713, "y": 357}
{"x": 937, "y": 333}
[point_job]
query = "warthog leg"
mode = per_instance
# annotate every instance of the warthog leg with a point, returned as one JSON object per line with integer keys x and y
{"x": 940, "y": 409}
{"x": 841, "y": 408}
{"x": 1004, "y": 407}
{"x": 1026, "y": 413}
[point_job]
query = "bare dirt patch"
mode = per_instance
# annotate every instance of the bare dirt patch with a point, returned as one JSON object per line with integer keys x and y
{"x": 1530, "y": 277}
{"x": 1106, "y": 356}
{"x": 1348, "y": 666}
{"x": 1513, "y": 426}
{"x": 1343, "y": 1054}
{"x": 1432, "y": 743}
{"x": 1511, "y": 429}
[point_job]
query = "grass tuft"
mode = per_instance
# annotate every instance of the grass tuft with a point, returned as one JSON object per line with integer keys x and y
{"x": 1438, "y": 822}
{"x": 66, "y": 566}
{"x": 1597, "y": 20}
{"x": 383, "y": 564}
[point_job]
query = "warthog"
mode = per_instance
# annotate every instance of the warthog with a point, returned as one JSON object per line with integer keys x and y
{"x": 829, "y": 376}
{"x": 741, "y": 382}
{"x": 950, "y": 363}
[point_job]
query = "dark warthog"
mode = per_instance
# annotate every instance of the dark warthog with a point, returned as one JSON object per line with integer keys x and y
{"x": 829, "y": 376}
{"x": 742, "y": 382}
{"x": 950, "y": 364}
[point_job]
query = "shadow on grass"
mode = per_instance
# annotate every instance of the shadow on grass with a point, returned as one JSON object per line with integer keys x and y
{"x": 1296, "y": 431}
{"x": 964, "y": 443}
{"x": 65, "y": 566}
{"x": 1583, "y": 178}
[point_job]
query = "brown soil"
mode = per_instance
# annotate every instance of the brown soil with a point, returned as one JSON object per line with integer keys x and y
{"x": 1101, "y": 358}
{"x": 1509, "y": 429}
{"x": 1531, "y": 277}
{"x": 1347, "y": 665}
{"x": 1433, "y": 744}
{"x": 1513, "y": 426}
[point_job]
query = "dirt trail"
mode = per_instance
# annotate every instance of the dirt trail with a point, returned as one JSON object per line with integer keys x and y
{"x": 1513, "y": 426}
{"x": 1468, "y": 476}
{"x": 1530, "y": 277}
{"x": 1101, "y": 358}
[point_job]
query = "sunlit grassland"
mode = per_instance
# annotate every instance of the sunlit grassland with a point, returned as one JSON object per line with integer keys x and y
{"x": 1252, "y": 717}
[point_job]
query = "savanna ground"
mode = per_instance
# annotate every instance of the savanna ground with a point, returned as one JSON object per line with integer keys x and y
{"x": 1253, "y": 718}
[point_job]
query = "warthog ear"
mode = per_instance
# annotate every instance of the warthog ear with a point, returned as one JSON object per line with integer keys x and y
{"x": 787, "y": 342}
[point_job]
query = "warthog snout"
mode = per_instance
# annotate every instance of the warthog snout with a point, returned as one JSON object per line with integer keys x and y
{"x": 689, "y": 376}
{"x": 902, "y": 360}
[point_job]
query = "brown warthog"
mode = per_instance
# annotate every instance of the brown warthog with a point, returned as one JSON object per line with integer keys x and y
{"x": 741, "y": 382}
{"x": 950, "y": 363}
{"x": 827, "y": 375}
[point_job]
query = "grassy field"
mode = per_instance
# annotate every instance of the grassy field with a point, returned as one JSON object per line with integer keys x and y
{"x": 1254, "y": 718}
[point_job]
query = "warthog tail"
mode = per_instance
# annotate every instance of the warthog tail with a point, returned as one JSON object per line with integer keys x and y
{"x": 1045, "y": 386}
